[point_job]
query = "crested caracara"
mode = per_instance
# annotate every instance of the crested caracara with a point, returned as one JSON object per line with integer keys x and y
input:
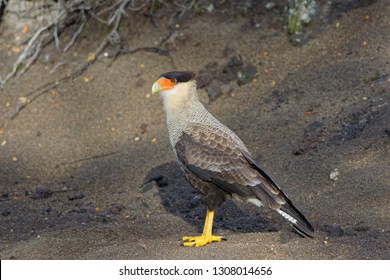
{"x": 214, "y": 160}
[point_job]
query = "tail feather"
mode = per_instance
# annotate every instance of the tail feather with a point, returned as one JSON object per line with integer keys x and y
{"x": 296, "y": 218}
{"x": 270, "y": 195}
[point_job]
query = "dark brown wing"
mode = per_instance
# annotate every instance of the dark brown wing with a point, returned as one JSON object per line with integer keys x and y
{"x": 215, "y": 157}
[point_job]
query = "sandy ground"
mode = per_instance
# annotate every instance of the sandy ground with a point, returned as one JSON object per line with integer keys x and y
{"x": 87, "y": 172}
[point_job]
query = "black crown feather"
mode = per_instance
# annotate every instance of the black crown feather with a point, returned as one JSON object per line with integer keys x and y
{"x": 180, "y": 76}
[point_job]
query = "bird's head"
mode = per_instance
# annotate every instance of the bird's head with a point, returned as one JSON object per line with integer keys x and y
{"x": 175, "y": 85}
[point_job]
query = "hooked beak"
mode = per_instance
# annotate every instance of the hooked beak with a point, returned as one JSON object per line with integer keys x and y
{"x": 156, "y": 88}
{"x": 162, "y": 84}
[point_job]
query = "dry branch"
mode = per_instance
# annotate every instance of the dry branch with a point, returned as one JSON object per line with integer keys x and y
{"x": 78, "y": 12}
{"x": 111, "y": 38}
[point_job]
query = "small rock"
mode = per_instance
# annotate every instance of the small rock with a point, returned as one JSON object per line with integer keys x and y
{"x": 41, "y": 193}
{"x": 102, "y": 219}
{"x": 353, "y": 125}
{"x": 235, "y": 61}
{"x": 143, "y": 128}
{"x": 246, "y": 75}
{"x": 311, "y": 137}
{"x": 334, "y": 175}
{"x": 46, "y": 210}
{"x": 76, "y": 196}
{"x": 81, "y": 210}
{"x": 361, "y": 228}
{"x": 207, "y": 74}
{"x": 5, "y": 213}
{"x": 115, "y": 209}
{"x": 214, "y": 90}
{"x": 334, "y": 230}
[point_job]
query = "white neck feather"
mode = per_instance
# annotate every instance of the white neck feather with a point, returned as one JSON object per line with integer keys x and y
{"x": 183, "y": 108}
{"x": 180, "y": 97}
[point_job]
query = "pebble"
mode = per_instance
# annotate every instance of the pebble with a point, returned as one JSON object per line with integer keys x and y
{"x": 76, "y": 196}
{"x": 334, "y": 175}
{"x": 46, "y": 210}
{"x": 115, "y": 209}
{"x": 41, "y": 193}
{"x": 214, "y": 90}
{"x": 334, "y": 230}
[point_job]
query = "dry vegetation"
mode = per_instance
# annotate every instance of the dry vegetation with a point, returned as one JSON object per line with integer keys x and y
{"x": 52, "y": 19}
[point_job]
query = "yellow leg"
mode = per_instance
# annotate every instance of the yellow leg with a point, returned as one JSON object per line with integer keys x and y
{"x": 206, "y": 236}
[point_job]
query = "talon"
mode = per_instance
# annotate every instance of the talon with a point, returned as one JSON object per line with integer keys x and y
{"x": 187, "y": 244}
{"x": 206, "y": 237}
{"x": 201, "y": 240}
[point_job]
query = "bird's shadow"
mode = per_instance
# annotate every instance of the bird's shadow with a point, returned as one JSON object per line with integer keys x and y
{"x": 179, "y": 198}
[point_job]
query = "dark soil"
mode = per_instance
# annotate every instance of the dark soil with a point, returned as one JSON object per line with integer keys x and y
{"x": 87, "y": 171}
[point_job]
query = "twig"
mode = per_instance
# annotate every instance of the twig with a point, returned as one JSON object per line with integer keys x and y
{"x": 86, "y": 159}
{"x": 109, "y": 8}
{"x": 76, "y": 34}
{"x": 32, "y": 58}
{"x": 55, "y": 35}
{"x": 151, "y": 14}
{"x": 186, "y": 8}
{"x": 140, "y": 7}
{"x": 106, "y": 12}
{"x": 45, "y": 88}
{"x": 97, "y": 17}
{"x": 60, "y": 64}
{"x": 27, "y": 51}
{"x": 28, "y": 12}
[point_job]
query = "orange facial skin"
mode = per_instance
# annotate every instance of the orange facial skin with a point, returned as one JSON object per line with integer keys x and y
{"x": 163, "y": 84}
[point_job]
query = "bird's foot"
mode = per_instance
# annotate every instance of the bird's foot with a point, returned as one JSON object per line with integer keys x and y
{"x": 202, "y": 240}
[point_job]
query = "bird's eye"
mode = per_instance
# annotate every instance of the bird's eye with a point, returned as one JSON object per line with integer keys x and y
{"x": 173, "y": 80}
